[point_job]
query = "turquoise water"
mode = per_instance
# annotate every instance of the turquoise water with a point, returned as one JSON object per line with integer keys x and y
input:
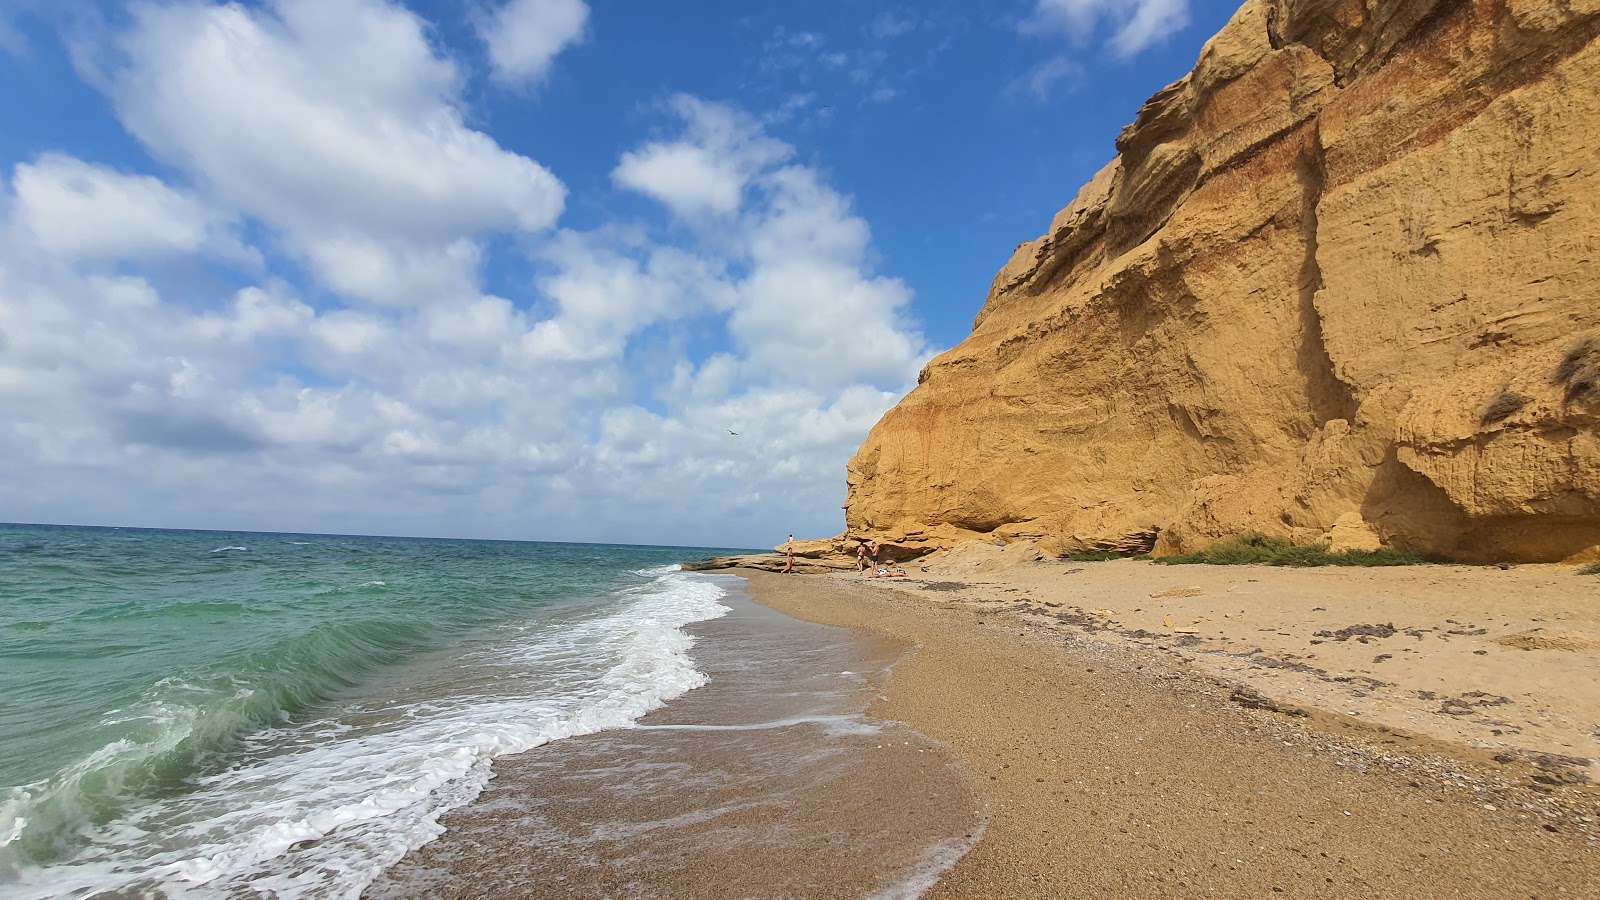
{"x": 193, "y": 712}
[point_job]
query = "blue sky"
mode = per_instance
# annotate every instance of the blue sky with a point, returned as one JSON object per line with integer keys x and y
{"x": 481, "y": 268}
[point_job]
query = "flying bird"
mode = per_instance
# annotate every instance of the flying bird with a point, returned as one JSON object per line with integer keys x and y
{"x": 734, "y": 433}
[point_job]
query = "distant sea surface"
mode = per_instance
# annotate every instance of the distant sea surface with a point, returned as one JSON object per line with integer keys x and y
{"x": 213, "y": 714}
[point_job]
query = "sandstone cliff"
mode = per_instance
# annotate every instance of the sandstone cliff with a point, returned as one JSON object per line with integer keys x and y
{"x": 1347, "y": 271}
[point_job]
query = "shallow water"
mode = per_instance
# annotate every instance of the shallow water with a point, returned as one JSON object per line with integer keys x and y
{"x": 769, "y": 781}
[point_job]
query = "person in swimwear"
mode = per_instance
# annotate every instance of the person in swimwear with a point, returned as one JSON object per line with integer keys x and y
{"x": 872, "y": 557}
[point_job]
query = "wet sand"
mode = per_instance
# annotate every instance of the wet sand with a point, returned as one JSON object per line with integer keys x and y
{"x": 770, "y": 781}
{"x": 1124, "y": 771}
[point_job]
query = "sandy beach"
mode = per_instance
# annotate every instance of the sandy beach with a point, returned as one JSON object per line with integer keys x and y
{"x": 1145, "y": 731}
{"x": 1505, "y": 661}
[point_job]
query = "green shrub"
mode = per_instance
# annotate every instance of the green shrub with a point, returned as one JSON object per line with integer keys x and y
{"x": 1590, "y": 569}
{"x": 1261, "y": 550}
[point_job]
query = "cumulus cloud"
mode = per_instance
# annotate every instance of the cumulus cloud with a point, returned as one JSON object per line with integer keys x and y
{"x": 1134, "y": 25}
{"x": 812, "y": 310}
{"x": 257, "y": 409}
{"x": 72, "y": 209}
{"x": 706, "y": 170}
{"x": 806, "y": 308}
{"x": 335, "y": 122}
{"x": 592, "y": 402}
{"x": 818, "y": 342}
{"x": 525, "y": 36}
{"x": 609, "y": 285}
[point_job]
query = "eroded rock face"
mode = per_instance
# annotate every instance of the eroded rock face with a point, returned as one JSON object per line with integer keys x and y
{"x": 1349, "y": 265}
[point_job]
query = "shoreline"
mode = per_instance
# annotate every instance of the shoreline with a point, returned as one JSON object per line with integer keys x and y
{"x": 771, "y": 779}
{"x": 1114, "y": 768}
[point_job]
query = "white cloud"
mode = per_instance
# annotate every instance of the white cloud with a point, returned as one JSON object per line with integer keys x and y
{"x": 812, "y": 310}
{"x": 707, "y": 169}
{"x": 479, "y": 326}
{"x": 74, "y": 210}
{"x": 395, "y": 270}
{"x": 525, "y": 36}
{"x": 1040, "y": 81}
{"x": 1152, "y": 22}
{"x": 819, "y": 345}
{"x": 806, "y": 308}
{"x": 1134, "y": 24}
{"x": 335, "y": 122}
{"x": 689, "y": 179}
{"x": 256, "y": 314}
{"x": 824, "y": 325}
{"x": 595, "y": 403}
{"x": 610, "y": 285}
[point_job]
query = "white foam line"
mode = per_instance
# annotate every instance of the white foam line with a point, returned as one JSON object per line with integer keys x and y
{"x": 934, "y": 862}
{"x": 856, "y": 722}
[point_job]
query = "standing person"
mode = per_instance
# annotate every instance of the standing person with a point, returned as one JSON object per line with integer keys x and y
{"x": 861, "y": 556}
{"x": 874, "y": 551}
{"x": 788, "y": 565}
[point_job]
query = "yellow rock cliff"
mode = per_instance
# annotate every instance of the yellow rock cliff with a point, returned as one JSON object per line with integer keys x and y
{"x": 1347, "y": 271}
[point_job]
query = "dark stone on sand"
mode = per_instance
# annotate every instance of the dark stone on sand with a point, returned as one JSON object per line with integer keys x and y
{"x": 1470, "y": 702}
{"x": 1359, "y": 631}
{"x": 1251, "y": 699}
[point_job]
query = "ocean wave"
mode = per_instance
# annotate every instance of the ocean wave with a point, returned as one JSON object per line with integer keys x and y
{"x": 318, "y": 808}
{"x": 185, "y": 721}
{"x": 227, "y": 549}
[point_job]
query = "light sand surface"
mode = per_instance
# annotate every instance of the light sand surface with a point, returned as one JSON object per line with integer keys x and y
{"x": 1113, "y": 769}
{"x": 1504, "y": 661}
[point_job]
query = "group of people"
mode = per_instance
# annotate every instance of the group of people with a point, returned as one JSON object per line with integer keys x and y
{"x": 866, "y": 560}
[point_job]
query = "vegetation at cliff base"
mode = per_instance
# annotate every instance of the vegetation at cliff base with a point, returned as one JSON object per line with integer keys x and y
{"x": 1579, "y": 372}
{"x": 1590, "y": 569}
{"x": 1503, "y": 407}
{"x": 1260, "y": 550}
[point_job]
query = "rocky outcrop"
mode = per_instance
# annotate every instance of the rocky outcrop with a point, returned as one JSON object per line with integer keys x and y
{"x": 1346, "y": 271}
{"x": 769, "y": 562}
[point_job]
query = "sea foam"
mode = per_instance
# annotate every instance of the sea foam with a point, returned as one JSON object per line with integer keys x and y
{"x": 319, "y": 809}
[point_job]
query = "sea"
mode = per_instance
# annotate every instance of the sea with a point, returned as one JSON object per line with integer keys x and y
{"x": 183, "y": 707}
{"x": 218, "y": 714}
